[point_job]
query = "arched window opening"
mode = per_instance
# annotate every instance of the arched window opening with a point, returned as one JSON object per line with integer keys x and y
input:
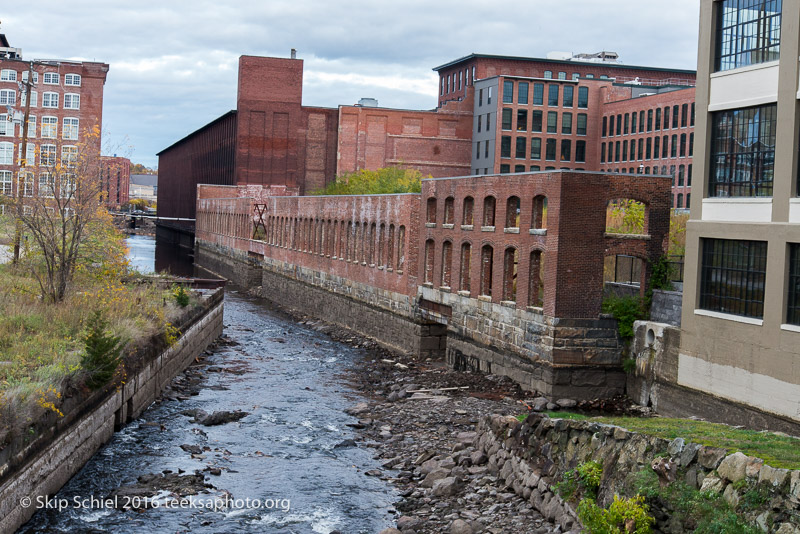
{"x": 466, "y": 218}
{"x": 488, "y": 211}
{"x": 390, "y": 245}
{"x": 512, "y": 212}
{"x": 487, "y": 259}
{"x": 449, "y": 209}
{"x": 539, "y": 217}
{"x": 371, "y": 245}
{"x": 431, "y": 213}
{"x": 464, "y": 276}
{"x": 429, "y": 252}
{"x": 447, "y": 261}
{"x": 510, "y": 267}
{"x": 381, "y": 244}
{"x": 401, "y": 248}
{"x": 626, "y": 216}
{"x": 536, "y": 280}
{"x": 348, "y": 241}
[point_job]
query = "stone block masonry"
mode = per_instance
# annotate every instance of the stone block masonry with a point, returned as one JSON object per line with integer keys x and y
{"x": 60, "y": 451}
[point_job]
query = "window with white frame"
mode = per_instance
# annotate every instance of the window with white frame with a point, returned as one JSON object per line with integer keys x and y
{"x": 46, "y": 184}
{"x": 34, "y": 98}
{"x": 27, "y": 210}
{"x": 6, "y": 126}
{"x": 69, "y": 155}
{"x": 72, "y": 79}
{"x": 27, "y": 181}
{"x": 51, "y": 78}
{"x": 47, "y": 155}
{"x": 25, "y": 76}
{"x": 8, "y": 97}
{"x": 70, "y": 129}
{"x": 72, "y": 101}
{"x": 50, "y": 100}
{"x": 49, "y": 127}
{"x": 31, "y": 126}
{"x": 6, "y": 183}
{"x": 8, "y": 75}
{"x": 30, "y": 157}
{"x": 6, "y": 153}
{"x": 67, "y": 185}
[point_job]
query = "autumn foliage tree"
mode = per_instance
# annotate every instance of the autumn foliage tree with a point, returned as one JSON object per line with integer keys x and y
{"x": 61, "y": 210}
{"x": 388, "y": 180}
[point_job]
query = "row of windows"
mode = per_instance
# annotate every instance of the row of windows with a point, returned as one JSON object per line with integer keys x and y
{"x": 48, "y": 185}
{"x": 49, "y": 128}
{"x": 537, "y": 98}
{"x": 506, "y": 169}
{"x": 8, "y": 97}
{"x": 47, "y": 154}
{"x": 627, "y": 124}
{"x": 681, "y": 179}
{"x": 551, "y": 145}
{"x": 49, "y": 78}
{"x": 513, "y": 210}
{"x": 521, "y": 124}
{"x": 650, "y": 148}
{"x": 455, "y": 82}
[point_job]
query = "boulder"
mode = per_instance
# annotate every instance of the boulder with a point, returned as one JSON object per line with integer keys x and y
{"x": 446, "y": 487}
{"x": 434, "y": 476}
{"x": 773, "y": 476}
{"x": 710, "y": 457}
{"x": 734, "y": 466}
{"x": 361, "y": 407}
{"x": 459, "y": 526}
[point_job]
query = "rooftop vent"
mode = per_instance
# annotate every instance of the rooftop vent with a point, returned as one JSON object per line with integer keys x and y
{"x": 368, "y": 102}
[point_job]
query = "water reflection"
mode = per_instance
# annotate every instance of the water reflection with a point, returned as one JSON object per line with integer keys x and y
{"x": 148, "y": 255}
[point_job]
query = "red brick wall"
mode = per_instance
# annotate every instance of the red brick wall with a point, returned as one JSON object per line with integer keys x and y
{"x": 435, "y": 143}
{"x": 116, "y": 180}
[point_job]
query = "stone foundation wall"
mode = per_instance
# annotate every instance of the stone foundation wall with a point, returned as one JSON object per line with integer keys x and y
{"x": 62, "y": 450}
{"x": 532, "y": 456}
{"x": 666, "y": 307}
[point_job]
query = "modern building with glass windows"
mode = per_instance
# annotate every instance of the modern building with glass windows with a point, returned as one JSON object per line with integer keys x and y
{"x": 741, "y": 303}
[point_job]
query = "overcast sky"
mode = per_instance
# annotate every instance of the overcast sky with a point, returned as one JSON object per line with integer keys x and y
{"x": 173, "y": 63}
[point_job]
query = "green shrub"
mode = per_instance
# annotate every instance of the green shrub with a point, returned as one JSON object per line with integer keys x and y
{"x": 622, "y": 517}
{"x": 181, "y": 296}
{"x": 625, "y": 310}
{"x": 102, "y": 352}
{"x": 585, "y": 477}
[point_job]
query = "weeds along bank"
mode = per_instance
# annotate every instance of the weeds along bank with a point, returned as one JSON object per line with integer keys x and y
{"x": 672, "y": 476}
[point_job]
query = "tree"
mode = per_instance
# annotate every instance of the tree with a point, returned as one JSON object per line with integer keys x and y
{"x": 388, "y": 180}
{"x": 60, "y": 209}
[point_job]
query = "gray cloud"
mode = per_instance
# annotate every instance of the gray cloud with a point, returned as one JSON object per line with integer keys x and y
{"x": 174, "y": 63}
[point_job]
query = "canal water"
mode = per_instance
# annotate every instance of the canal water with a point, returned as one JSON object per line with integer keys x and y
{"x": 283, "y": 456}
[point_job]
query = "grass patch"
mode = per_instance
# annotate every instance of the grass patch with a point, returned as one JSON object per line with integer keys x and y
{"x": 566, "y": 415}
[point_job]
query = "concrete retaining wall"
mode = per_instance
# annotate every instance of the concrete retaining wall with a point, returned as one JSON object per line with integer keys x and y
{"x": 61, "y": 451}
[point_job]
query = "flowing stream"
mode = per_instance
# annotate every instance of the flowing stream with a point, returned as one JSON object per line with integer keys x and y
{"x": 282, "y": 456}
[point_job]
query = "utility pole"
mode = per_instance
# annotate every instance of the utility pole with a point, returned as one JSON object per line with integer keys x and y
{"x": 23, "y": 162}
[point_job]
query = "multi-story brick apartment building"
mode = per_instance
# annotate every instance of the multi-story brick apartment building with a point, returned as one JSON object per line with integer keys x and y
{"x": 740, "y": 336}
{"x": 495, "y": 114}
{"x": 66, "y": 102}
{"x": 115, "y": 174}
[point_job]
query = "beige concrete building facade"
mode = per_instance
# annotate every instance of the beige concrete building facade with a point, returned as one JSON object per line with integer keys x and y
{"x": 741, "y": 300}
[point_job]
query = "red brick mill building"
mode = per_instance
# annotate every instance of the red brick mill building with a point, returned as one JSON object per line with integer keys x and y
{"x": 495, "y": 115}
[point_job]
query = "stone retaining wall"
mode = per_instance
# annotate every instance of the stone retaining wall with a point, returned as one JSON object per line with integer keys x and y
{"x": 666, "y": 307}
{"x": 61, "y": 449}
{"x": 532, "y": 456}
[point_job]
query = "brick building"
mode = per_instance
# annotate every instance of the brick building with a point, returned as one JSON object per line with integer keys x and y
{"x": 495, "y": 115}
{"x": 66, "y": 105}
{"x": 115, "y": 173}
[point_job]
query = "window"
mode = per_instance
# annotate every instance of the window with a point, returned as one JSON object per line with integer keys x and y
{"x": 487, "y": 258}
{"x": 679, "y": 204}
{"x": 616, "y": 151}
{"x": 8, "y": 97}
{"x": 688, "y": 200}
{"x": 536, "y": 148}
{"x": 641, "y": 121}
{"x": 624, "y": 151}
{"x": 675, "y": 116}
{"x": 447, "y": 261}
{"x": 566, "y": 149}
{"x": 480, "y": 94}
{"x": 49, "y": 127}
{"x": 550, "y": 150}
{"x": 72, "y": 79}
{"x": 70, "y": 129}
{"x": 519, "y": 168}
{"x": 508, "y": 92}
{"x": 649, "y": 148}
{"x": 664, "y": 147}
{"x": 67, "y": 185}
{"x": 505, "y": 146}
{"x": 6, "y": 183}
{"x": 448, "y": 84}
{"x": 488, "y": 121}
{"x": 548, "y": 74}
{"x": 489, "y": 96}
{"x": 25, "y": 76}
{"x": 611, "y": 126}
{"x": 562, "y": 75}
{"x": 569, "y": 92}
{"x": 8, "y": 75}
{"x": 536, "y": 120}
{"x": 691, "y": 144}
{"x": 47, "y": 185}
{"x": 30, "y": 157}
{"x": 536, "y": 279}
{"x": 684, "y": 115}
{"x": 489, "y": 204}
{"x": 522, "y": 144}
{"x": 566, "y": 123}
{"x": 51, "y": 78}
{"x": 72, "y": 101}
{"x": 656, "y": 147}
{"x": 793, "y": 310}
{"x": 742, "y": 152}
{"x": 580, "y": 127}
{"x": 733, "y": 275}
{"x": 682, "y": 151}
{"x": 6, "y": 153}
{"x": 460, "y": 81}
{"x": 522, "y": 120}
{"x": 430, "y": 212}
{"x": 34, "y": 98}
{"x": 575, "y": 76}
{"x": 649, "y": 120}
{"x": 602, "y": 152}
{"x": 522, "y": 93}
{"x": 748, "y": 32}
{"x": 6, "y": 126}
{"x": 538, "y": 94}
{"x": 50, "y": 100}
{"x": 486, "y": 150}
{"x": 604, "y": 127}
{"x": 506, "y": 124}
{"x": 674, "y": 151}
{"x": 47, "y": 155}
{"x": 681, "y": 170}
{"x": 512, "y": 212}
{"x": 633, "y": 149}
{"x": 480, "y": 120}
{"x": 510, "y": 268}
{"x": 689, "y": 177}
{"x": 666, "y": 118}
{"x": 535, "y": 168}
{"x": 552, "y": 122}
{"x": 27, "y": 180}
{"x": 691, "y": 117}
{"x": 466, "y": 215}
{"x": 580, "y": 151}
{"x": 583, "y": 97}
{"x": 552, "y": 95}
{"x": 477, "y": 151}
{"x": 464, "y": 278}
{"x": 640, "y": 144}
